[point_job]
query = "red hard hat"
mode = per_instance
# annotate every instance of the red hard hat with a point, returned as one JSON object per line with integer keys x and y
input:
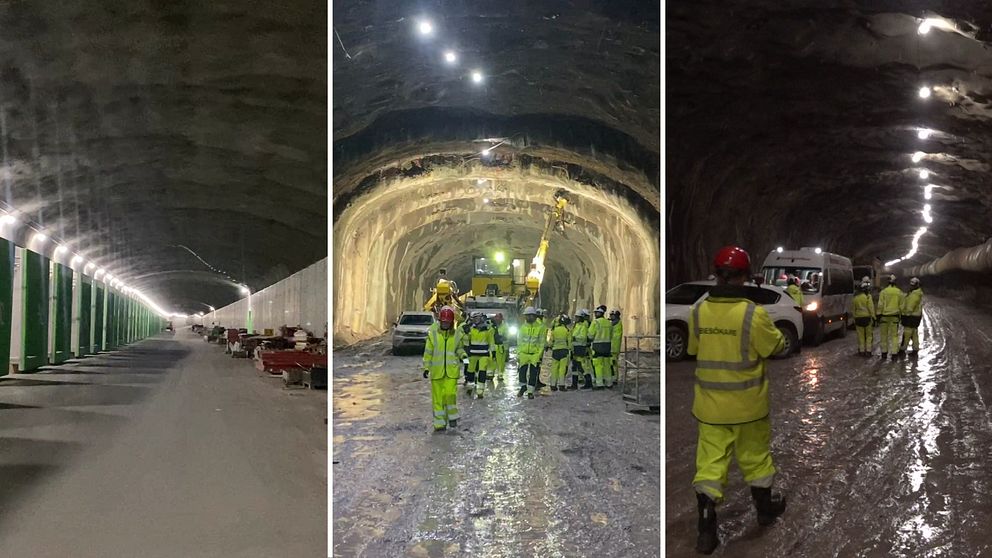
{"x": 733, "y": 257}
{"x": 447, "y": 314}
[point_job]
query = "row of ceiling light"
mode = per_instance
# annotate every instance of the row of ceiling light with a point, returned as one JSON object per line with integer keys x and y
{"x": 425, "y": 28}
{"x": 923, "y": 134}
{"x": 40, "y": 238}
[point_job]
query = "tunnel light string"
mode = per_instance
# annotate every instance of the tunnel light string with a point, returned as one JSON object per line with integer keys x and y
{"x": 426, "y": 30}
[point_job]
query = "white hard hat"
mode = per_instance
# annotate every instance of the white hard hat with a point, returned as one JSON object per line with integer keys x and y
{"x": 914, "y": 281}
{"x": 892, "y": 278}
{"x": 584, "y": 313}
{"x": 866, "y": 279}
{"x": 530, "y": 311}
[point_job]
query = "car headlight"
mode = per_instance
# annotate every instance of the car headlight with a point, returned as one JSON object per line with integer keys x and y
{"x": 812, "y": 306}
{"x": 512, "y": 330}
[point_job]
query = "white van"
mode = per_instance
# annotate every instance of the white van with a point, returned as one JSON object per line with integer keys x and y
{"x": 827, "y": 284}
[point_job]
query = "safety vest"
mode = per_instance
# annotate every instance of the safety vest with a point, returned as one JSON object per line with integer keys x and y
{"x": 560, "y": 337}
{"x": 500, "y": 333}
{"x": 617, "y": 337}
{"x": 890, "y": 301}
{"x": 913, "y": 304}
{"x": 480, "y": 341}
{"x": 579, "y": 332}
{"x": 601, "y": 335}
{"x": 731, "y": 337}
{"x": 796, "y": 293}
{"x": 530, "y": 343}
{"x": 864, "y": 306}
{"x": 443, "y": 352}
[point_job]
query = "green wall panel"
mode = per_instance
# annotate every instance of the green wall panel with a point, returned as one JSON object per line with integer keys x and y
{"x": 63, "y": 314}
{"x": 34, "y": 326}
{"x": 85, "y": 314}
{"x": 98, "y": 320}
{"x": 6, "y": 302}
{"x": 111, "y": 320}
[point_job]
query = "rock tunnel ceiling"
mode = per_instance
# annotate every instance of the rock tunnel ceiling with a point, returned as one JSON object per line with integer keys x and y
{"x": 796, "y": 124}
{"x": 431, "y": 169}
{"x": 131, "y": 130}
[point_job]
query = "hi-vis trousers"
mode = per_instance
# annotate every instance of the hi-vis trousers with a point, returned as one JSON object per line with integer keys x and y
{"x": 748, "y": 442}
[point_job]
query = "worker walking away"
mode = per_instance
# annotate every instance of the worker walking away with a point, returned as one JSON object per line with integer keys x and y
{"x": 547, "y": 324}
{"x": 581, "y": 365}
{"x": 601, "y": 337}
{"x": 616, "y": 339}
{"x": 794, "y": 291}
{"x": 480, "y": 345}
{"x": 732, "y": 337}
{"x": 530, "y": 346}
{"x": 497, "y": 360}
{"x": 443, "y": 355}
{"x": 889, "y": 310}
{"x": 912, "y": 315}
{"x": 466, "y": 328}
{"x": 864, "y": 317}
{"x": 561, "y": 340}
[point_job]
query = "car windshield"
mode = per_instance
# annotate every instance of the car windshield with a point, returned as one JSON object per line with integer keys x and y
{"x": 417, "y": 319}
{"x": 687, "y": 293}
{"x": 809, "y": 277}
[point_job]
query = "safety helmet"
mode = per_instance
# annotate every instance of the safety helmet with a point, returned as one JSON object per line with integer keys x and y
{"x": 732, "y": 257}
{"x": 540, "y": 312}
{"x": 601, "y": 309}
{"x": 866, "y": 279}
{"x": 914, "y": 282}
{"x": 793, "y": 280}
{"x": 582, "y": 313}
{"x": 530, "y": 311}
{"x": 891, "y": 278}
{"x": 866, "y": 286}
{"x": 447, "y": 314}
{"x": 564, "y": 319}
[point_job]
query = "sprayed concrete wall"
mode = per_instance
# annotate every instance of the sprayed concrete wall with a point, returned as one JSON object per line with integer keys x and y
{"x": 300, "y": 299}
{"x": 390, "y": 242}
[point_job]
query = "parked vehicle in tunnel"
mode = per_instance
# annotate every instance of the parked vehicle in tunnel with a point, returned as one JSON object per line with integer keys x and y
{"x": 410, "y": 331}
{"x": 827, "y": 282}
{"x": 785, "y": 314}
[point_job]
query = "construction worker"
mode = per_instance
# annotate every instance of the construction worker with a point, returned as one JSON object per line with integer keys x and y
{"x": 581, "y": 365}
{"x": 497, "y": 360}
{"x": 530, "y": 346}
{"x": 546, "y": 323}
{"x": 561, "y": 341}
{"x": 864, "y": 316}
{"x": 600, "y": 336}
{"x": 615, "y": 342}
{"x": 889, "y": 310}
{"x": 443, "y": 355}
{"x": 466, "y": 328}
{"x": 480, "y": 346}
{"x": 912, "y": 314}
{"x": 794, "y": 291}
{"x": 732, "y": 337}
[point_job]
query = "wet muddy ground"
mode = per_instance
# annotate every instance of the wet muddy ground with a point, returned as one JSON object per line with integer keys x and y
{"x": 563, "y": 475}
{"x": 877, "y": 459}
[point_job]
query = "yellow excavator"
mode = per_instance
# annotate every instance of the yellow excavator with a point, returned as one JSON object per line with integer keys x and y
{"x": 445, "y": 293}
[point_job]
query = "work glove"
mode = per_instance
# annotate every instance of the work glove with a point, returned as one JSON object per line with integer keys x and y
{"x": 426, "y": 372}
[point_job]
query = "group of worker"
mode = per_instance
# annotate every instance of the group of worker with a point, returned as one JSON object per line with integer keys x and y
{"x": 591, "y": 345}
{"x": 894, "y": 308}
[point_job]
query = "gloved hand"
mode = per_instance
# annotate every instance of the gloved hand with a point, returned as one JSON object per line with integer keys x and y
{"x": 492, "y": 354}
{"x": 426, "y": 372}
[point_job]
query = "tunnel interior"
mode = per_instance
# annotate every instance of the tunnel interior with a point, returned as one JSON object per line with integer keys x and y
{"x": 859, "y": 127}
{"x": 432, "y": 170}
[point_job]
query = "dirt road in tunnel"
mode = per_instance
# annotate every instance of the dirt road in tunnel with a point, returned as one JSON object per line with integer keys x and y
{"x": 563, "y": 475}
{"x": 877, "y": 459}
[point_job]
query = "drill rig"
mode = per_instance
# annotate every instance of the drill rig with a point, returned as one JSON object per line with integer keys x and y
{"x": 445, "y": 293}
{"x": 555, "y": 221}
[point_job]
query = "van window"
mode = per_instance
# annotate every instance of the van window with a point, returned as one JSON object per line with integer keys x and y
{"x": 841, "y": 281}
{"x": 686, "y": 293}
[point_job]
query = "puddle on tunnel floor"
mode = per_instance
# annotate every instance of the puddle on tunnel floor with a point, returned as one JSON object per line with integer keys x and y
{"x": 360, "y": 396}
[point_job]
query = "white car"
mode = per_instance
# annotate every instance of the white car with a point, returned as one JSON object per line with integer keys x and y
{"x": 784, "y": 312}
{"x": 410, "y": 331}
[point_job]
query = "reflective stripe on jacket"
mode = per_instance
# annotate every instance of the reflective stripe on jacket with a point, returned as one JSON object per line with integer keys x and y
{"x": 890, "y": 301}
{"x": 480, "y": 342}
{"x": 561, "y": 338}
{"x": 579, "y": 334}
{"x": 443, "y": 352}
{"x": 864, "y": 306}
{"x": 913, "y": 303}
{"x": 731, "y": 337}
{"x": 601, "y": 331}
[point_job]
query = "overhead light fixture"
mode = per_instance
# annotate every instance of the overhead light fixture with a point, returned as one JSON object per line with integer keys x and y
{"x": 924, "y": 27}
{"x": 425, "y": 27}
{"x": 450, "y": 57}
{"x": 477, "y": 76}
{"x": 924, "y": 174}
{"x": 98, "y": 273}
{"x": 924, "y": 92}
{"x": 480, "y": 181}
{"x": 245, "y": 290}
{"x": 818, "y": 251}
{"x": 500, "y": 257}
{"x": 926, "y": 214}
{"x": 923, "y": 133}
{"x": 39, "y": 237}
{"x": 485, "y": 200}
{"x": 8, "y": 220}
{"x": 918, "y": 156}
{"x": 89, "y": 266}
{"x": 928, "y": 192}
{"x": 780, "y": 249}
{"x": 77, "y": 259}
{"x": 60, "y": 249}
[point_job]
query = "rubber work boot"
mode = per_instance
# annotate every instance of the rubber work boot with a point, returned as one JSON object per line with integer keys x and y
{"x": 588, "y": 382}
{"x": 707, "y": 541}
{"x": 522, "y": 390}
{"x": 453, "y": 423}
{"x": 530, "y": 396}
{"x": 554, "y": 388}
{"x": 769, "y": 506}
